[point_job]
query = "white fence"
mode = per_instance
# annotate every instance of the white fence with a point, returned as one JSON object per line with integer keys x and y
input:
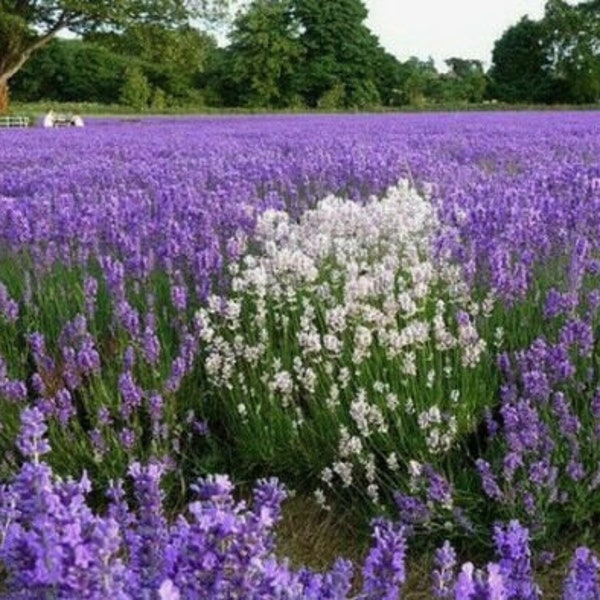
{"x": 14, "y": 121}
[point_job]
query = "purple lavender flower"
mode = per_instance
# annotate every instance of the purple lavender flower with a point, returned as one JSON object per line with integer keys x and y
{"x": 104, "y": 416}
{"x": 128, "y": 359}
{"x": 536, "y": 385}
{"x": 131, "y": 394}
{"x": 38, "y": 385}
{"x": 178, "y": 370}
{"x": 337, "y": 583}
{"x": 14, "y": 391}
{"x": 64, "y": 407}
{"x": 490, "y": 486}
{"x": 127, "y": 438}
{"x": 443, "y": 574}
{"x": 71, "y": 372}
{"x": 411, "y": 509}
{"x": 150, "y": 343}
{"x": 269, "y": 495}
{"x": 168, "y": 591}
{"x": 43, "y": 361}
{"x": 9, "y": 309}
{"x": 384, "y": 570}
{"x": 577, "y": 333}
{"x": 512, "y": 547}
{"x": 129, "y": 318}
{"x": 582, "y": 581}
{"x": 438, "y": 488}
{"x": 88, "y": 359}
{"x": 466, "y": 586}
{"x": 31, "y": 441}
{"x": 474, "y": 584}
{"x": 179, "y": 297}
{"x": 558, "y": 303}
{"x": 90, "y": 291}
{"x": 148, "y": 560}
{"x": 98, "y": 441}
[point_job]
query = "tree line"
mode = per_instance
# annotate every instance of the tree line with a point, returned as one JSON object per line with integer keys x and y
{"x": 282, "y": 54}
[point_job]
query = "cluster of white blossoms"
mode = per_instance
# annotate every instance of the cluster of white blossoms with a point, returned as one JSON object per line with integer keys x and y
{"x": 345, "y": 313}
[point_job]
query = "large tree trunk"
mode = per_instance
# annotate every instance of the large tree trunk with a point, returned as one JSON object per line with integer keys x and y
{"x": 3, "y": 96}
{"x": 16, "y": 51}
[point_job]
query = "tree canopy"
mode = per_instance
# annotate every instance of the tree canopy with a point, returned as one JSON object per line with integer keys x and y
{"x": 520, "y": 70}
{"x": 281, "y": 54}
{"x": 263, "y": 54}
{"x": 25, "y": 27}
{"x": 340, "y": 51}
{"x": 573, "y": 45}
{"x": 555, "y": 59}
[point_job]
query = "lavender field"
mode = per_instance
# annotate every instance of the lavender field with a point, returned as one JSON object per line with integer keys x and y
{"x": 397, "y": 314}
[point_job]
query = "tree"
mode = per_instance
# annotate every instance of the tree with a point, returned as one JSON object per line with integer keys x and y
{"x": 520, "y": 64}
{"x": 39, "y": 79}
{"x": 418, "y": 79}
{"x": 173, "y": 58}
{"x": 556, "y": 59}
{"x": 339, "y": 51}
{"x": 388, "y": 71}
{"x": 263, "y": 54}
{"x": 573, "y": 46}
{"x": 469, "y": 79}
{"x": 136, "y": 90}
{"x": 27, "y": 26}
{"x": 71, "y": 71}
{"x": 158, "y": 101}
{"x": 217, "y": 83}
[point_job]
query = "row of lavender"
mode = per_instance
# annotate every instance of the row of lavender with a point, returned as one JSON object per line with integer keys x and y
{"x": 187, "y": 292}
{"x": 54, "y": 546}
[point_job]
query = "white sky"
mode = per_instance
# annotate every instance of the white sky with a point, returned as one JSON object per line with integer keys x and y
{"x": 445, "y": 28}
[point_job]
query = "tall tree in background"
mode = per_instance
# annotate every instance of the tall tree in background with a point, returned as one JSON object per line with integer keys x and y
{"x": 173, "y": 58}
{"x": 340, "y": 50}
{"x": 418, "y": 78}
{"x": 27, "y": 26}
{"x": 520, "y": 64}
{"x": 71, "y": 71}
{"x": 573, "y": 45}
{"x": 389, "y": 78}
{"x": 264, "y": 53}
{"x": 470, "y": 79}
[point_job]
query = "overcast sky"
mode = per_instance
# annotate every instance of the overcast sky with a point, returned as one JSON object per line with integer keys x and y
{"x": 445, "y": 28}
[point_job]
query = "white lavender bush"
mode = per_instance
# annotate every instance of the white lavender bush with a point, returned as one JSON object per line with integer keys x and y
{"x": 344, "y": 350}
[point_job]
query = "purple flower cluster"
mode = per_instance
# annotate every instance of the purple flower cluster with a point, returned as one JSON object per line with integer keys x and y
{"x": 545, "y": 453}
{"x": 177, "y": 195}
{"x": 53, "y": 545}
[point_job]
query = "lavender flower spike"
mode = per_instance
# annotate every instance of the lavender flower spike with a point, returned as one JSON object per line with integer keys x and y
{"x": 443, "y": 575}
{"x": 582, "y": 581}
{"x": 384, "y": 570}
{"x": 31, "y": 441}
